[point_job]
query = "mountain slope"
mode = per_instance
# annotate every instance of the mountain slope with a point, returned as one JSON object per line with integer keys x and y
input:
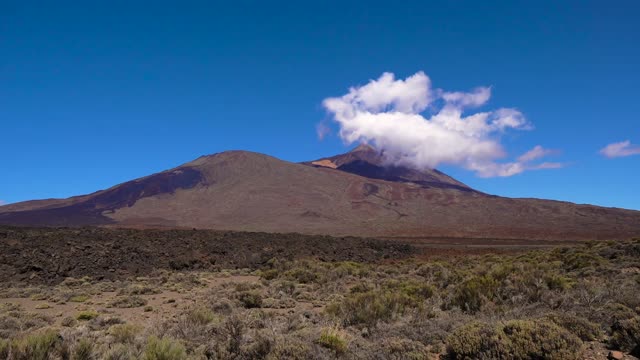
{"x": 349, "y": 194}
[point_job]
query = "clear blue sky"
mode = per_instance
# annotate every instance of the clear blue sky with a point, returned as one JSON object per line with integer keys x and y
{"x": 96, "y": 93}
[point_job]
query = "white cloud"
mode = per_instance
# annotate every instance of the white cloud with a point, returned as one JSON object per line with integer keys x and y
{"x": 387, "y": 113}
{"x": 536, "y": 153}
{"x": 620, "y": 149}
{"x": 2, "y": 202}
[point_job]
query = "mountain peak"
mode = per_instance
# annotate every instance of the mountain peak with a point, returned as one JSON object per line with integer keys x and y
{"x": 366, "y": 161}
{"x": 364, "y": 147}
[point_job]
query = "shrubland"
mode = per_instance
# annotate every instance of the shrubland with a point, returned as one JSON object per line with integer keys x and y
{"x": 552, "y": 303}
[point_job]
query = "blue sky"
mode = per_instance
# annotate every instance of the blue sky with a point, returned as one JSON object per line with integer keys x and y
{"x": 96, "y": 93}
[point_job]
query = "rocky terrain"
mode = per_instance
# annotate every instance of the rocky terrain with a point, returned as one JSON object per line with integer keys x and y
{"x": 44, "y": 255}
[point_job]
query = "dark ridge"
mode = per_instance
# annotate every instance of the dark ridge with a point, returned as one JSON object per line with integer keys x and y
{"x": 90, "y": 212}
{"x": 127, "y": 194}
{"x": 73, "y": 215}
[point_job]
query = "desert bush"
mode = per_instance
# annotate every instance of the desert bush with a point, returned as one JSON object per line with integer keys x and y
{"x": 250, "y": 299}
{"x": 344, "y": 268}
{"x": 579, "y": 260}
{"x": 4, "y": 348}
{"x": 617, "y": 312}
{"x": 87, "y": 315}
{"x": 625, "y": 335}
{"x": 128, "y": 302}
{"x": 125, "y": 333}
{"x": 558, "y": 282}
{"x": 83, "y": 350}
{"x": 368, "y": 308}
{"x": 121, "y": 352}
{"x": 290, "y": 349}
{"x": 17, "y": 321}
{"x": 260, "y": 348}
{"x": 79, "y": 298}
{"x": 581, "y": 327}
{"x": 164, "y": 349}
{"x": 269, "y": 274}
{"x": 401, "y": 349}
{"x": 302, "y": 275}
{"x": 286, "y": 286}
{"x": 333, "y": 339}
{"x": 234, "y": 328}
{"x": 36, "y": 346}
{"x": 414, "y": 290}
{"x": 472, "y": 294}
{"x": 68, "y": 321}
{"x": 200, "y": 316}
{"x": 515, "y": 339}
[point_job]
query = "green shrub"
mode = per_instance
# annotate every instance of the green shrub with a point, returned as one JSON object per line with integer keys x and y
{"x": 250, "y": 299}
{"x": 515, "y": 339}
{"x": 36, "y": 346}
{"x": 83, "y": 350}
{"x": 581, "y": 327}
{"x": 87, "y": 315}
{"x": 334, "y": 340}
{"x": 415, "y": 290}
{"x": 368, "y": 308}
{"x": 4, "y": 349}
{"x": 558, "y": 282}
{"x": 164, "y": 349}
{"x": 581, "y": 260}
{"x": 350, "y": 268}
{"x": 269, "y": 274}
{"x": 79, "y": 298}
{"x": 303, "y": 276}
{"x": 472, "y": 294}
{"x": 625, "y": 335}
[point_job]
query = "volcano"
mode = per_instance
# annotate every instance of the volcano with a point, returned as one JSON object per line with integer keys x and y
{"x": 356, "y": 193}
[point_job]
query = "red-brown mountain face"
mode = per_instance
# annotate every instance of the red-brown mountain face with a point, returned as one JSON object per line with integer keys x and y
{"x": 355, "y": 193}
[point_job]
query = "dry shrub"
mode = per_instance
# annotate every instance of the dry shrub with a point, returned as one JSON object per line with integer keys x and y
{"x": 515, "y": 339}
{"x": 333, "y": 339}
{"x": 83, "y": 350}
{"x": 581, "y": 327}
{"x": 370, "y": 307}
{"x": 121, "y": 352}
{"x": 124, "y": 302}
{"x": 250, "y": 299}
{"x": 125, "y": 333}
{"x": 40, "y": 345}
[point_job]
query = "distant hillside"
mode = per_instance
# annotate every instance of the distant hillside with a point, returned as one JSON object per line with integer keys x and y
{"x": 350, "y": 194}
